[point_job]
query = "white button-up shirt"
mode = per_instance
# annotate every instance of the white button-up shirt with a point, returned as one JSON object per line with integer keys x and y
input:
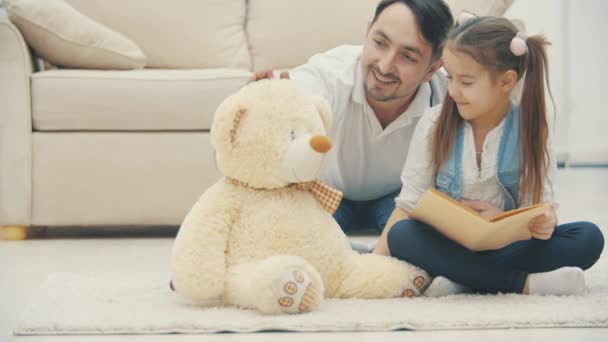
{"x": 366, "y": 161}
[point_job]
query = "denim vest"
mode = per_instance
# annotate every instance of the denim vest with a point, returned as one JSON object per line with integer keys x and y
{"x": 449, "y": 177}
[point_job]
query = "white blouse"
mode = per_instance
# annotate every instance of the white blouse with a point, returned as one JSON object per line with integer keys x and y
{"x": 478, "y": 183}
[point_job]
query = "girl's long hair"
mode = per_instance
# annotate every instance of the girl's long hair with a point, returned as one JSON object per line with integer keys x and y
{"x": 487, "y": 40}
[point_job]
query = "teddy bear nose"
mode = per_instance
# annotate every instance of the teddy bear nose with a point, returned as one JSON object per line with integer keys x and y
{"x": 320, "y": 143}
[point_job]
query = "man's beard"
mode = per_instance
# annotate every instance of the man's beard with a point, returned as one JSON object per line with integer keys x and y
{"x": 378, "y": 95}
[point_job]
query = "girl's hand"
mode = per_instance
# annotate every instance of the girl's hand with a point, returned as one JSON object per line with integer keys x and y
{"x": 484, "y": 209}
{"x": 542, "y": 226}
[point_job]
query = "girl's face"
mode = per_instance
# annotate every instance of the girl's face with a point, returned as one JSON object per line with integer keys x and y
{"x": 473, "y": 88}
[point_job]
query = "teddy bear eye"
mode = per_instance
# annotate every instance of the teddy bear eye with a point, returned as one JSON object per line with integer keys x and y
{"x": 292, "y": 135}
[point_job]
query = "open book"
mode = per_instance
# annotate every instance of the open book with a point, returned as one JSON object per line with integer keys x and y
{"x": 467, "y": 227}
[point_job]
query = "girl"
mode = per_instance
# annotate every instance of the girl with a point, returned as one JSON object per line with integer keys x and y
{"x": 493, "y": 155}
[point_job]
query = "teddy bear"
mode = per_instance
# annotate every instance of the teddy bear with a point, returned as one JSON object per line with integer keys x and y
{"x": 263, "y": 236}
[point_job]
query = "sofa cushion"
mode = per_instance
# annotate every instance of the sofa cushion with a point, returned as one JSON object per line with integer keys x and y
{"x": 284, "y": 34}
{"x": 130, "y": 100}
{"x": 118, "y": 178}
{"x": 63, "y": 36}
{"x": 480, "y": 7}
{"x": 186, "y": 34}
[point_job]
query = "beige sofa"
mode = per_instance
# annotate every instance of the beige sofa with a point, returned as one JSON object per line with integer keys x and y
{"x": 104, "y": 147}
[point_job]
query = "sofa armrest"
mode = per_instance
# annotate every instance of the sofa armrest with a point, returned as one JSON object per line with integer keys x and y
{"x": 15, "y": 125}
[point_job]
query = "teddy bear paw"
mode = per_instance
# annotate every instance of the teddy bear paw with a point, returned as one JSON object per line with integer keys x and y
{"x": 420, "y": 284}
{"x": 297, "y": 292}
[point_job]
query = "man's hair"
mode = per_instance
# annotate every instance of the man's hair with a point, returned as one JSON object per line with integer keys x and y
{"x": 433, "y": 17}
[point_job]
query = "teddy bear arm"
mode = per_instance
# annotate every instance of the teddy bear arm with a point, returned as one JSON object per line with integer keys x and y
{"x": 198, "y": 259}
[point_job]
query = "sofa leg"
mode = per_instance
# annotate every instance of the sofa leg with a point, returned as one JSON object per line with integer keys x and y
{"x": 16, "y": 232}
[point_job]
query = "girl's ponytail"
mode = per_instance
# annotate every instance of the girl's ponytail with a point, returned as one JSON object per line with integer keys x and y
{"x": 534, "y": 128}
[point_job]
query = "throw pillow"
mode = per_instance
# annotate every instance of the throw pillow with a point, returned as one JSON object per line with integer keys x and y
{"x": 65, "y": 37}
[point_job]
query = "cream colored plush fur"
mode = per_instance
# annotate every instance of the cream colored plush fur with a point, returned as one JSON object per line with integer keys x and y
{"x": 264, "y": 245}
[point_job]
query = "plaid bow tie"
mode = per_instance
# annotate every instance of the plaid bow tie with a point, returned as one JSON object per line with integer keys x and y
{"x": 328, "y": 197}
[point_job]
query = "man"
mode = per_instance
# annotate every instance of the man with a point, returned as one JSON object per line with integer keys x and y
{"x": 377, "y": 94}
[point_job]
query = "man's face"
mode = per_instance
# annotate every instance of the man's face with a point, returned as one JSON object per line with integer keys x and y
{"x": 396, "y": 59}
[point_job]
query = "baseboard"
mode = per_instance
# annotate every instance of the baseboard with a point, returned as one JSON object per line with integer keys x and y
{"x": 595, "y": 155}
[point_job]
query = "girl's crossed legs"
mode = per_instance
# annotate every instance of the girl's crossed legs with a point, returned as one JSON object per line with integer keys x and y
{"x": 577, "y": 244}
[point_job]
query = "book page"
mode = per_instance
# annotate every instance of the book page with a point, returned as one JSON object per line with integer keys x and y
{"x": 513, "y": 227}
{"x": 514, "y": 212}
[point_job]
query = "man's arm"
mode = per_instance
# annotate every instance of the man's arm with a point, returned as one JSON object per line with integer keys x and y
{"x": 308, "y": 76}
{"x": 397, "y": 215}
{"x": 319, "y": 74}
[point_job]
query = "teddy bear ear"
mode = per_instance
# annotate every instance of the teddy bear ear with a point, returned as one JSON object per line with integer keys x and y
{"x": 225, "y": 125}
{"x": 238, "y": 116}
{"x": 324, "y": 110}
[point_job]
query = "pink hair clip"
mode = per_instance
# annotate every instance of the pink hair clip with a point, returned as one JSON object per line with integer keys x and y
{"x": 518, "y": 44}
{"x": 465, "y": 16}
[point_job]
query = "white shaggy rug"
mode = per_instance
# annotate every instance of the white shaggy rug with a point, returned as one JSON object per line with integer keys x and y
{"x": 141, "y": 303}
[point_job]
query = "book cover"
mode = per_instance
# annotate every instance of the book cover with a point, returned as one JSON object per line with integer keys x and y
{"x": 467, "y": 227}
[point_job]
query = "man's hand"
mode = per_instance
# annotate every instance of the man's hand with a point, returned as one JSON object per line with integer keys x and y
{"x": 269, "y": 74}
{"x": 484, "y": 209}
{"x": 542, "y": 226}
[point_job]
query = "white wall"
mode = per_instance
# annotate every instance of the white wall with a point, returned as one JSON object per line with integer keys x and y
{"x": 588, "y": 56}
{"x": 578, "y": 32}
